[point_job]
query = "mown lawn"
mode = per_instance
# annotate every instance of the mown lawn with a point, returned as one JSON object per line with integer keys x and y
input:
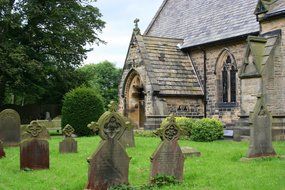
{"x": 218, "y": 168}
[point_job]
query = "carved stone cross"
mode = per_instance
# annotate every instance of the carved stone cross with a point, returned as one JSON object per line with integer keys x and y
{"x": 34, "y": 129}
{"x": 68, "y": 130}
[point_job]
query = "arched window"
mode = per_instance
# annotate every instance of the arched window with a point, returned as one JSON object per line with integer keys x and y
{"x": 226, "y": 72}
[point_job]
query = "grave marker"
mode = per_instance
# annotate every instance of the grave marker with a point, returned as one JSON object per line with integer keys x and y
{"x": 260, "y": 131}
{"x": 168, "y": 158}
{"x": 10, "y": 127}
{"x": 34, "y": 151}
{"x": 109, "y": 164}
{"x": 68, "y": 145}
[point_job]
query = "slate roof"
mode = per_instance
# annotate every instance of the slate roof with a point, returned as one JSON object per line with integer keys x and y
{"x": 172, "y": 70}
{"x": 204, "y": 21}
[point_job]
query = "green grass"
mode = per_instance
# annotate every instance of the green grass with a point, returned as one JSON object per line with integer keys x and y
{"x": 218, "y": 168}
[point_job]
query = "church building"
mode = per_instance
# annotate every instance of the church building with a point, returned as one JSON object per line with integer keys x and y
{"x": 207, "y": 58}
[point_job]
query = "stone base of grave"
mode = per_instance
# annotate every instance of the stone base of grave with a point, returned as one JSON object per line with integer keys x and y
{"x": 190, "y": 152}
{"x": 245, "y": 159}
{"x": 2, "y": 153}
{"x": 34, "y": 154}
{"x": 68, "y": 145}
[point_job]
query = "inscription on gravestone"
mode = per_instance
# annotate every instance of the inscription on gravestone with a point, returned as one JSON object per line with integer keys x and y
{"x": 34, "y": 151}
{"x": 68, "y": 145}
{"x": 260, "y": 131}
{"x": 109, "y": 164}
{"x": 10, "y": 127}
{"x": 2, "y": 153}
{"x": 168, "y": 158}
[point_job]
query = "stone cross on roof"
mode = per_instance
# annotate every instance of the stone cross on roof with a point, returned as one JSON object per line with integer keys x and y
{"x": 136, "y": 29}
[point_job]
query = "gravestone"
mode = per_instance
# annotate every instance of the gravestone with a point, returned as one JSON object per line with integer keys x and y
{"x": 168, "y": 158}
{"x": 68, "y": 145}
{"x": 2, "y": 153}
{"x": 44, "y": 133}
{"x": 109, "y": 164}
{"x": 260, "y": 131}
{"x": 34, "y": 151}
{"x": 128, "y": 139}
{"x": 10, "y": 127}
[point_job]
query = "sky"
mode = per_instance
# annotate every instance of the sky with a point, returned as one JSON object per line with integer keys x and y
{"x": 119, "y": 16}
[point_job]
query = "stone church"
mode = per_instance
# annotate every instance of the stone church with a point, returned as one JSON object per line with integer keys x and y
{"x": 207, "y": 58}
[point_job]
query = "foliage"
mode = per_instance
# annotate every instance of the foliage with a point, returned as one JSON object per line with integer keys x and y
{"x": 42, "y": 42}
{"x": 80, "y": 107}
{"x": 105, "y": 78}
{"x": 163, "y": 180}
{"x": 207, "y": 130}
{"x": 200, "y": 129}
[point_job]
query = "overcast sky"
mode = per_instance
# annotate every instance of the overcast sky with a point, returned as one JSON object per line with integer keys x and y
{"x": 119, "y": 16}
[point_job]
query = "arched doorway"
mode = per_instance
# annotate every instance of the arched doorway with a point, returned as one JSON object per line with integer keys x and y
{"x": 135, "y": 99}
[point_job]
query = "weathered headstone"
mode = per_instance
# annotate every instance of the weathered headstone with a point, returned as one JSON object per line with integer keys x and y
{"x": 168, "y": 158}
{"x": 68, "y": 145}
{"x": 109, "y": 164}
{"x": 260, "y": 131}
{"x": 10, "y": 127}
{"x": 34, "y": 151}
{"x": 2, "y": 153}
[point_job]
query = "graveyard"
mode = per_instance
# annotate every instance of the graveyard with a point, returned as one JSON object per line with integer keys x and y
{"x": 217, "y": 168}
{"x": 195, "y": 102}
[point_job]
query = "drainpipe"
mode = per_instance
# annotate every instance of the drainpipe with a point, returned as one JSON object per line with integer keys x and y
{"x": 205, "y": 82}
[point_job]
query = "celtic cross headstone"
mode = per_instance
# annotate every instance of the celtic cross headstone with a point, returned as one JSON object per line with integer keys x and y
{"x": 109, "y": 164}
{"x": 10, "y": 127}
{"x": 168, "y": 158}
{"x": 68, "y": 145}
{"x": 34, "y": 150}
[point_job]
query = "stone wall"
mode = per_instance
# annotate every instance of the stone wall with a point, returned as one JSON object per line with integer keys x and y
{"x": 275, "y": 73}
{"x": 189, "y": 107}
{"x": 228, "y": 113}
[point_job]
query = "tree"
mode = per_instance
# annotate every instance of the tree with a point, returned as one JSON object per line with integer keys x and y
{"x": 105, "y": 78}
{"x": 43, "y": 41}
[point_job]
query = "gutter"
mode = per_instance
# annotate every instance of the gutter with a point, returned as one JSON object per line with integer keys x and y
{"x": 205, "y": 81}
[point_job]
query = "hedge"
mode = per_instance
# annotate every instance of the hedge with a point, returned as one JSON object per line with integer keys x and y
{"x": 80, "y": 107}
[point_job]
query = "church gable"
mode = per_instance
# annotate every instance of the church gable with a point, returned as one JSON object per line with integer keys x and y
{"x": 168, "y": 70}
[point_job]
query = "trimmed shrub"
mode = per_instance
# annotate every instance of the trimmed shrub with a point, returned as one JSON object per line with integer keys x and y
{"x": 207, "y": 130}
{"x": 80, "y": 107}
{"x": 199, "y": 129}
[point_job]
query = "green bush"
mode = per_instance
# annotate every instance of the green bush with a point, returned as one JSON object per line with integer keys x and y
{"x": 207, "y": 130}
{"x": 161, "y": 180}
{"x": 80, "y": 107}
{"x": 199, "y": 129}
